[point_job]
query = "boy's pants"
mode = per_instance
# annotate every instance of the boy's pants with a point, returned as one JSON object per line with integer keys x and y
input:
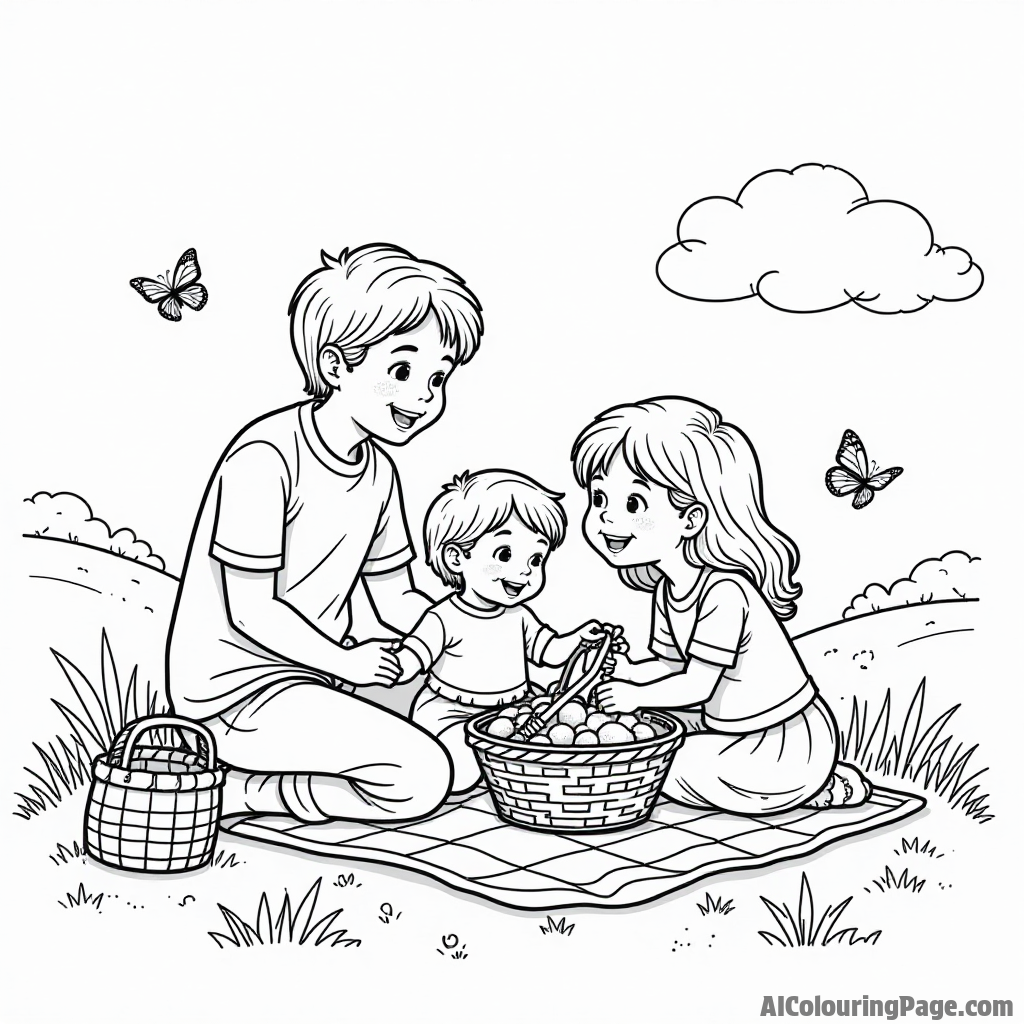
{"x": 305, "y": 749}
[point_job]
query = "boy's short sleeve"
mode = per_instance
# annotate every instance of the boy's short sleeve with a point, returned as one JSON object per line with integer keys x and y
{"x": 428, "y": 639}
{"x": 536, "y": 636}
{"x": 721, "y": 620}
{"x": 252, "y": 496}
{"x": 663, "y": 643}
{"x": 391, "y": 547}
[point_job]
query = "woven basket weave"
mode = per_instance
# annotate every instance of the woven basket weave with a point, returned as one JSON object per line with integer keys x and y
{"x": 155, "y": 808}
{"x": 578, "y": 789}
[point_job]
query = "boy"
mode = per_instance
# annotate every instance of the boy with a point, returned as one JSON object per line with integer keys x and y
{"x": 489, "y": 535}
{"x": 303, "y": 504}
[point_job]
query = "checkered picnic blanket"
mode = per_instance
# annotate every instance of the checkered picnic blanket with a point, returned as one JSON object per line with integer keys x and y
{"x": 468, "y": 847}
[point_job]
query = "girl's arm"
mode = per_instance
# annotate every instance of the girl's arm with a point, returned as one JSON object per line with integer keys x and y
{"x": 693, "y": 685}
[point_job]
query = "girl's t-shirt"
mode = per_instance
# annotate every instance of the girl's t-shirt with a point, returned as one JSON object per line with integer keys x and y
{"x": 725, "y": 620}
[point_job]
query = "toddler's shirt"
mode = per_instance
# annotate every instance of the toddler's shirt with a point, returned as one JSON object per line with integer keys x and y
{"x": 725, "y": 620}
{"x": 280, "y": 502}
{"x": 478, "y": 657}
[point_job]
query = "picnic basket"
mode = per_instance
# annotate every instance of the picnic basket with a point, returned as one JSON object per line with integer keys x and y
{"x": 578, "y": 789}
{"x": 155, "y": 808}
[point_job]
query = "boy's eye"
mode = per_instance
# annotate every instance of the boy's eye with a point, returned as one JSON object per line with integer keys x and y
{"x": 503, "y": 554}
{"x": 400, "y": 371}
{"x": 437, "y": 380}
{"x": 536, "y": 561}
{"x": 598, "y": 499}
{"x": 634, "y": 503}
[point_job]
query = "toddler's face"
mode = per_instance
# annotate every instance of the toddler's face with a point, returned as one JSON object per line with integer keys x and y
{"x": 506, "y": 566}
{"x": 398, "y": 389}
{"x": 630, "y": 521}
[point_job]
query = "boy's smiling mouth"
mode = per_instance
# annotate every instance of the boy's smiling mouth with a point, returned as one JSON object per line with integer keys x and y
{"x": 512, "y": 589}
{"x": 616, "y": 544}
{"x": 404, "y": 420}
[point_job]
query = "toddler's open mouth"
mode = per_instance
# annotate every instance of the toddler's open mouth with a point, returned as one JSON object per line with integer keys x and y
{"x": 513, "y": 589}
{"x": 403, "y": 420}
{"x": 616, "y": 544}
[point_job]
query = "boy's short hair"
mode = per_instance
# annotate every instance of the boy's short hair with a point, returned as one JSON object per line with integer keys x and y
{"x": 476, "y": 503}
{"x": 372, "y": 293}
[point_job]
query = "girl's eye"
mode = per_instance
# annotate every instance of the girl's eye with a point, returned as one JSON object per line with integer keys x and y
{"x": 503, "y": 554}
{"x": 400, "y": 371}
{"x": 634, "y": 504}
{"x": 437, "y": 380}
{"x": 537, "y": 561}
{"x": 598, "y": 500}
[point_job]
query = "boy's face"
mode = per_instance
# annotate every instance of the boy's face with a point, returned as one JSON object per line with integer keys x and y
{"x": 630, "y": 522}
{"x": 398, "y": 389}
{"x": 506, "y": 566}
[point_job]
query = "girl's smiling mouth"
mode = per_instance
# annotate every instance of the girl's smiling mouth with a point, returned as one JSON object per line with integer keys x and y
{"x": 616, "y": 544}
{"x": 404, "y": 420}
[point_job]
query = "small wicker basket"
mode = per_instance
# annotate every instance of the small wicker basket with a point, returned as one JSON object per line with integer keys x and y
{"x": 577, "y": 789}
{"x": 155, "y": 808}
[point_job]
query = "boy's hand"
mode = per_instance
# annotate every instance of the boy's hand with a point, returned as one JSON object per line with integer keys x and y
{"x": 409, "y": 664}
{"x": 373, "y": 663}
{"x": 618, "y": 695}
{"x": 591, "y": 632}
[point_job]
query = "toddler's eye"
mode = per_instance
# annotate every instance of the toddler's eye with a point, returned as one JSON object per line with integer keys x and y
{"x": 536, "y": 561}
{"x": 598, "y": 499}
{"x": 634, "y": 504}
{"x": 437, "y": 380}
{"x": 400, "y": 371}
{"x": 503, "y": 554}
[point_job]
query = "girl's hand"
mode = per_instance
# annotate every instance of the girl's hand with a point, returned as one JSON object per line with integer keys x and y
{"x": 618, "y": 695}
{"x": 616, "y": 666}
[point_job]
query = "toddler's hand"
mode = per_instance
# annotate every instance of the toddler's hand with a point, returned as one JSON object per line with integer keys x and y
{"x": 409, "y": 664}
{"x": 617, "y": 695}
{"x": 373, "y": 663}
{"x": 591, "y": 632}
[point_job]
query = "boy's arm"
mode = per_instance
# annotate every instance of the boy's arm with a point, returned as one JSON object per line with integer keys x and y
{"x": 395, "y": 600}
{"x": 255, "y": 612}
{"x": 559, "y": 649}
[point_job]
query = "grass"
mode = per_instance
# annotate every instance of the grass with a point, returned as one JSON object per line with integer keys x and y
{"x": 230, "y": 861}
{"x": 557, "y": 927}
{"x": 925, "y": 849}
{"x": 910, "y": 750}
{"x": 293, "y": 926}
{"x": 805, "y": 929}
{"x": 67, "y": 854}
{"x": 714, "y": 906}
{"x": 82, "y": 899}
{"x": 100, "y": 710}
{"x": 891, "y": 881}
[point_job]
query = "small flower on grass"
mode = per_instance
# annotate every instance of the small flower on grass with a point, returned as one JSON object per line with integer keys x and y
{"x": 387, "y": 913}
{"x": 451, "y": 947}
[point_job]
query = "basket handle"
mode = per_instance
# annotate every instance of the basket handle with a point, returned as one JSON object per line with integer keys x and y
{"x": 124, "y": 746}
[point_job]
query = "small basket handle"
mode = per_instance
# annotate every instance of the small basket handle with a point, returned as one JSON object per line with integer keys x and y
{"x": 124, "y": 745}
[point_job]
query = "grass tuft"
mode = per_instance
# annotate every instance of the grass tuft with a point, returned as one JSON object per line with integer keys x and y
{"x": 714, "y": 906}
{"x": 66, "y": 854}
{"x": 925, "y": 849}
{"x": 100, "y": 710}
{"x": 82, "y": 899}
{"x": 295, "y": 926}
{"x": 559, "y": 927}
{"x": 912, "y": 751}
{"x": 891, "y": 881}
{"x": 229, "y": 861}
{"x": 805, "y": 929}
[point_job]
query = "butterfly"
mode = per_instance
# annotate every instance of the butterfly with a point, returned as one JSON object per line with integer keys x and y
{"x": 173, "y": 290}
{"x": 852, "y": 473}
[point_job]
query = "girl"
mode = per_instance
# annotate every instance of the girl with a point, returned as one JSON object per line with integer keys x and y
{"x": 676, "y": 506}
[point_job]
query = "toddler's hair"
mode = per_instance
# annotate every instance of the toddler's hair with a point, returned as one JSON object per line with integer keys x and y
{"x": 476, "y": 503}
{"x": 685, "y": 447}
{"x": 372, "y": 293}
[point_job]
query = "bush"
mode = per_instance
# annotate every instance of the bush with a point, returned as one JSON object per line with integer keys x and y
{"x": 949, "y": 578}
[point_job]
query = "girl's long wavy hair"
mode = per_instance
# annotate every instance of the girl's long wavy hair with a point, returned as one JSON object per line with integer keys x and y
{"x": 685, "y": 447}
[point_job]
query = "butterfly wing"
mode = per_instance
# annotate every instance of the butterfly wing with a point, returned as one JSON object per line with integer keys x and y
{"x": 863, "y": 497}
{"x": 851, "y": 455}
{"x": 840, "y": 482}
{"x": 150, "y": 290}
{"x": 170, "y": 308}
{"x": 883, "y": 479}
{"x": 186, "y": 272}
{"x": 194, "y": 296}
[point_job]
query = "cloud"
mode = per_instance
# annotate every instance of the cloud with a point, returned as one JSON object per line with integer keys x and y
{"x": 66, "y": 516}
{"x": 953, "y": 577}
{"x": 810, "y": 240}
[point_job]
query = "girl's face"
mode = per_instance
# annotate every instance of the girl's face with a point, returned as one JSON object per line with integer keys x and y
{"x": 630, "y": 521}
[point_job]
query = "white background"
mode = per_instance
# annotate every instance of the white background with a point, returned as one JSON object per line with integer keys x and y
{"x": 545, "y": 152}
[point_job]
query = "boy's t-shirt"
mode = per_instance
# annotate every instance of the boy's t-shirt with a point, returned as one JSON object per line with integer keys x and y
{"x": 724, "y": 620}
{"x": 280, "y": 501}
{"x": 475, "y": 656}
